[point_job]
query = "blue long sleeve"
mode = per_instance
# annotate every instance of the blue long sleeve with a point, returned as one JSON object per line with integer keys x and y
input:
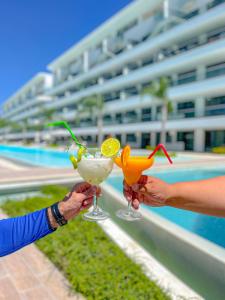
{"x": 18, "y": 232}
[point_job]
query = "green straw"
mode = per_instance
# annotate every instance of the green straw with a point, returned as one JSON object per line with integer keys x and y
{"x": 65, "y": 124}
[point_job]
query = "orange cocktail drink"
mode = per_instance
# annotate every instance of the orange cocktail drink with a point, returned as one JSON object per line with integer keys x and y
{"x": 133, "y": 167}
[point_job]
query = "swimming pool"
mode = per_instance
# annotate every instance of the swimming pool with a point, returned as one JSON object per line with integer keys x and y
{"x": 36, "y": 156}
{"x": 210, "y": 228}
{"x": 56, "y": 158}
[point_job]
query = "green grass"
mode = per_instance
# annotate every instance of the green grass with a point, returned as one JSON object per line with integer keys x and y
{"x": 94, "y": 265}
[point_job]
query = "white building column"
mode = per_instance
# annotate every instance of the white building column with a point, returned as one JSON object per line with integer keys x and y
{"x": 123, "y": 139}
{"x": 175, "y": 106}
{"x": 100, "y": 80}
{"x": 173, "y": 135}
{"x": 199, "y": 107}
{"x": 200, "y": 72}
{"x": 138, "y": 111}
{"x": 199, "y": 140}
{"x": 138, "y": 137}
{"x": 123, "y": 95}
{"x": 86, "y": 61}
{"x": 125, "y": 70}
{"x": 153, "y": 138}
{"x": 153, "y": 112}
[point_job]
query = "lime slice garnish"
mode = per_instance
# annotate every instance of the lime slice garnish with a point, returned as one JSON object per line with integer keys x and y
{"x": 110, "y": 147}
{"x": 73, "y": 161}
{"x": 80, "y": 153}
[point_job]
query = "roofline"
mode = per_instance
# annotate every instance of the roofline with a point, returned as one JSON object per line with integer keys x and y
{"x": 124, "y": 16}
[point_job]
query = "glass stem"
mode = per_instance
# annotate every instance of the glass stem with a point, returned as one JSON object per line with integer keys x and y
{"x": 96, "y": 209}
{"x": 129, "y": 207}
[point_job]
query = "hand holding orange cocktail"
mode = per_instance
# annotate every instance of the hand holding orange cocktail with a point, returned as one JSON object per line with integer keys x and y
{"x": 132, "y": 167}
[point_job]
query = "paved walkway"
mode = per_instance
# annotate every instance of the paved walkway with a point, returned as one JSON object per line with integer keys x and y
{"x": 29, "y": 275}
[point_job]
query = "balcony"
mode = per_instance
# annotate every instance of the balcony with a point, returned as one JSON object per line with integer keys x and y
{"x": 116, "y": 44}
{"x": 143, "y": 29}
{"x": 76, "y": 67}
{"x": 202, "y": 23}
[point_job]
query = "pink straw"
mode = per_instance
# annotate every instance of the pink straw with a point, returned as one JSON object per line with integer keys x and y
{"x": 161, "y": 146}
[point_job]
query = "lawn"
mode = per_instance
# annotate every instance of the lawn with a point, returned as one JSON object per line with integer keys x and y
{"x": 94, "y": 265}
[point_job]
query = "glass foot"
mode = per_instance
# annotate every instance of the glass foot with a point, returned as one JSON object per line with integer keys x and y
{"x": 95, "y": 216}
{"x": 128, "y": 215}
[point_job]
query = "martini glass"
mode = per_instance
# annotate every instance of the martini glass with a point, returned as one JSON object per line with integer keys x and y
{"x": 94, "y": 168}
{"x": 133, "y": 167}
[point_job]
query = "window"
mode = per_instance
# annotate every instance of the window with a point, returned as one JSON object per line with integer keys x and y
{"x": 132, "y": 66}
{"x": 71, "y": 107}
{"x": 215, "y": 34}
{"x": 147, "y": 61}
{"x": 188, "y": 45}
{"x": 215, "y": 106}
{"x": 146, "y": 114}
{"x": 119, "y": 118}
{"x": 214, "y": 138}
{"x": 131, "y": 91}
{"x": 186, "y": 77}
{"x": 145, "y": 140}
{"x": 107, "y": 119}
{"x": 191, "y": 14}
{"x": 187, "y": 109}
{"x": 118, "y": 73}
{"x": 131, "y": 116}
{"x": 85, "y": 122}
{"x": 187, "y": 138}
{"x": 131, "y": 138}
{"x": 111, "y": 96}
{"x": 215, "y": 70}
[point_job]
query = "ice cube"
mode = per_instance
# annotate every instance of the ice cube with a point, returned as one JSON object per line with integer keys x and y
{"x": 88, "y": 155}
{"x": 98, "y": 154}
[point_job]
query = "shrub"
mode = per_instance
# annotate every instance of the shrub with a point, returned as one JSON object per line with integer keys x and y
{"x": 219, "y": 150}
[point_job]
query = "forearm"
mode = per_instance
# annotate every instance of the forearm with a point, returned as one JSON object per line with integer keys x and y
{"x": 16, "y": 233}
{"x": 205, "y": 196}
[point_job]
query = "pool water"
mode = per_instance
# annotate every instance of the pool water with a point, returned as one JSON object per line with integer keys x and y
{"x": 211, "y": 228}
{"x": 36, "y": 156}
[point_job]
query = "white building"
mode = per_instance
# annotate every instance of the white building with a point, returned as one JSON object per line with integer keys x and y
{"x": 183, "y": 40}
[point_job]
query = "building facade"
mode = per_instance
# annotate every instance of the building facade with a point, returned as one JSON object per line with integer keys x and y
{"x": 183, "y": 40}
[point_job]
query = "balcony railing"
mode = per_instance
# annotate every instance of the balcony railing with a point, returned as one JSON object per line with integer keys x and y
{"x": 142, "y": 29}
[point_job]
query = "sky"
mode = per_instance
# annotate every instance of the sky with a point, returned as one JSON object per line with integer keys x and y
{"x": 33, "y": 33}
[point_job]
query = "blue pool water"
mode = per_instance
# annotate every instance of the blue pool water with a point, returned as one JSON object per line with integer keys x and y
{"x": 36, "y": 156}
{"x": 211, "y": 228}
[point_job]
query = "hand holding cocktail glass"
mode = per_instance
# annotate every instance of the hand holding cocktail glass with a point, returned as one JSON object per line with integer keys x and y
{"x": 94, "y": 166}
{"x": 132, "y": 167}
